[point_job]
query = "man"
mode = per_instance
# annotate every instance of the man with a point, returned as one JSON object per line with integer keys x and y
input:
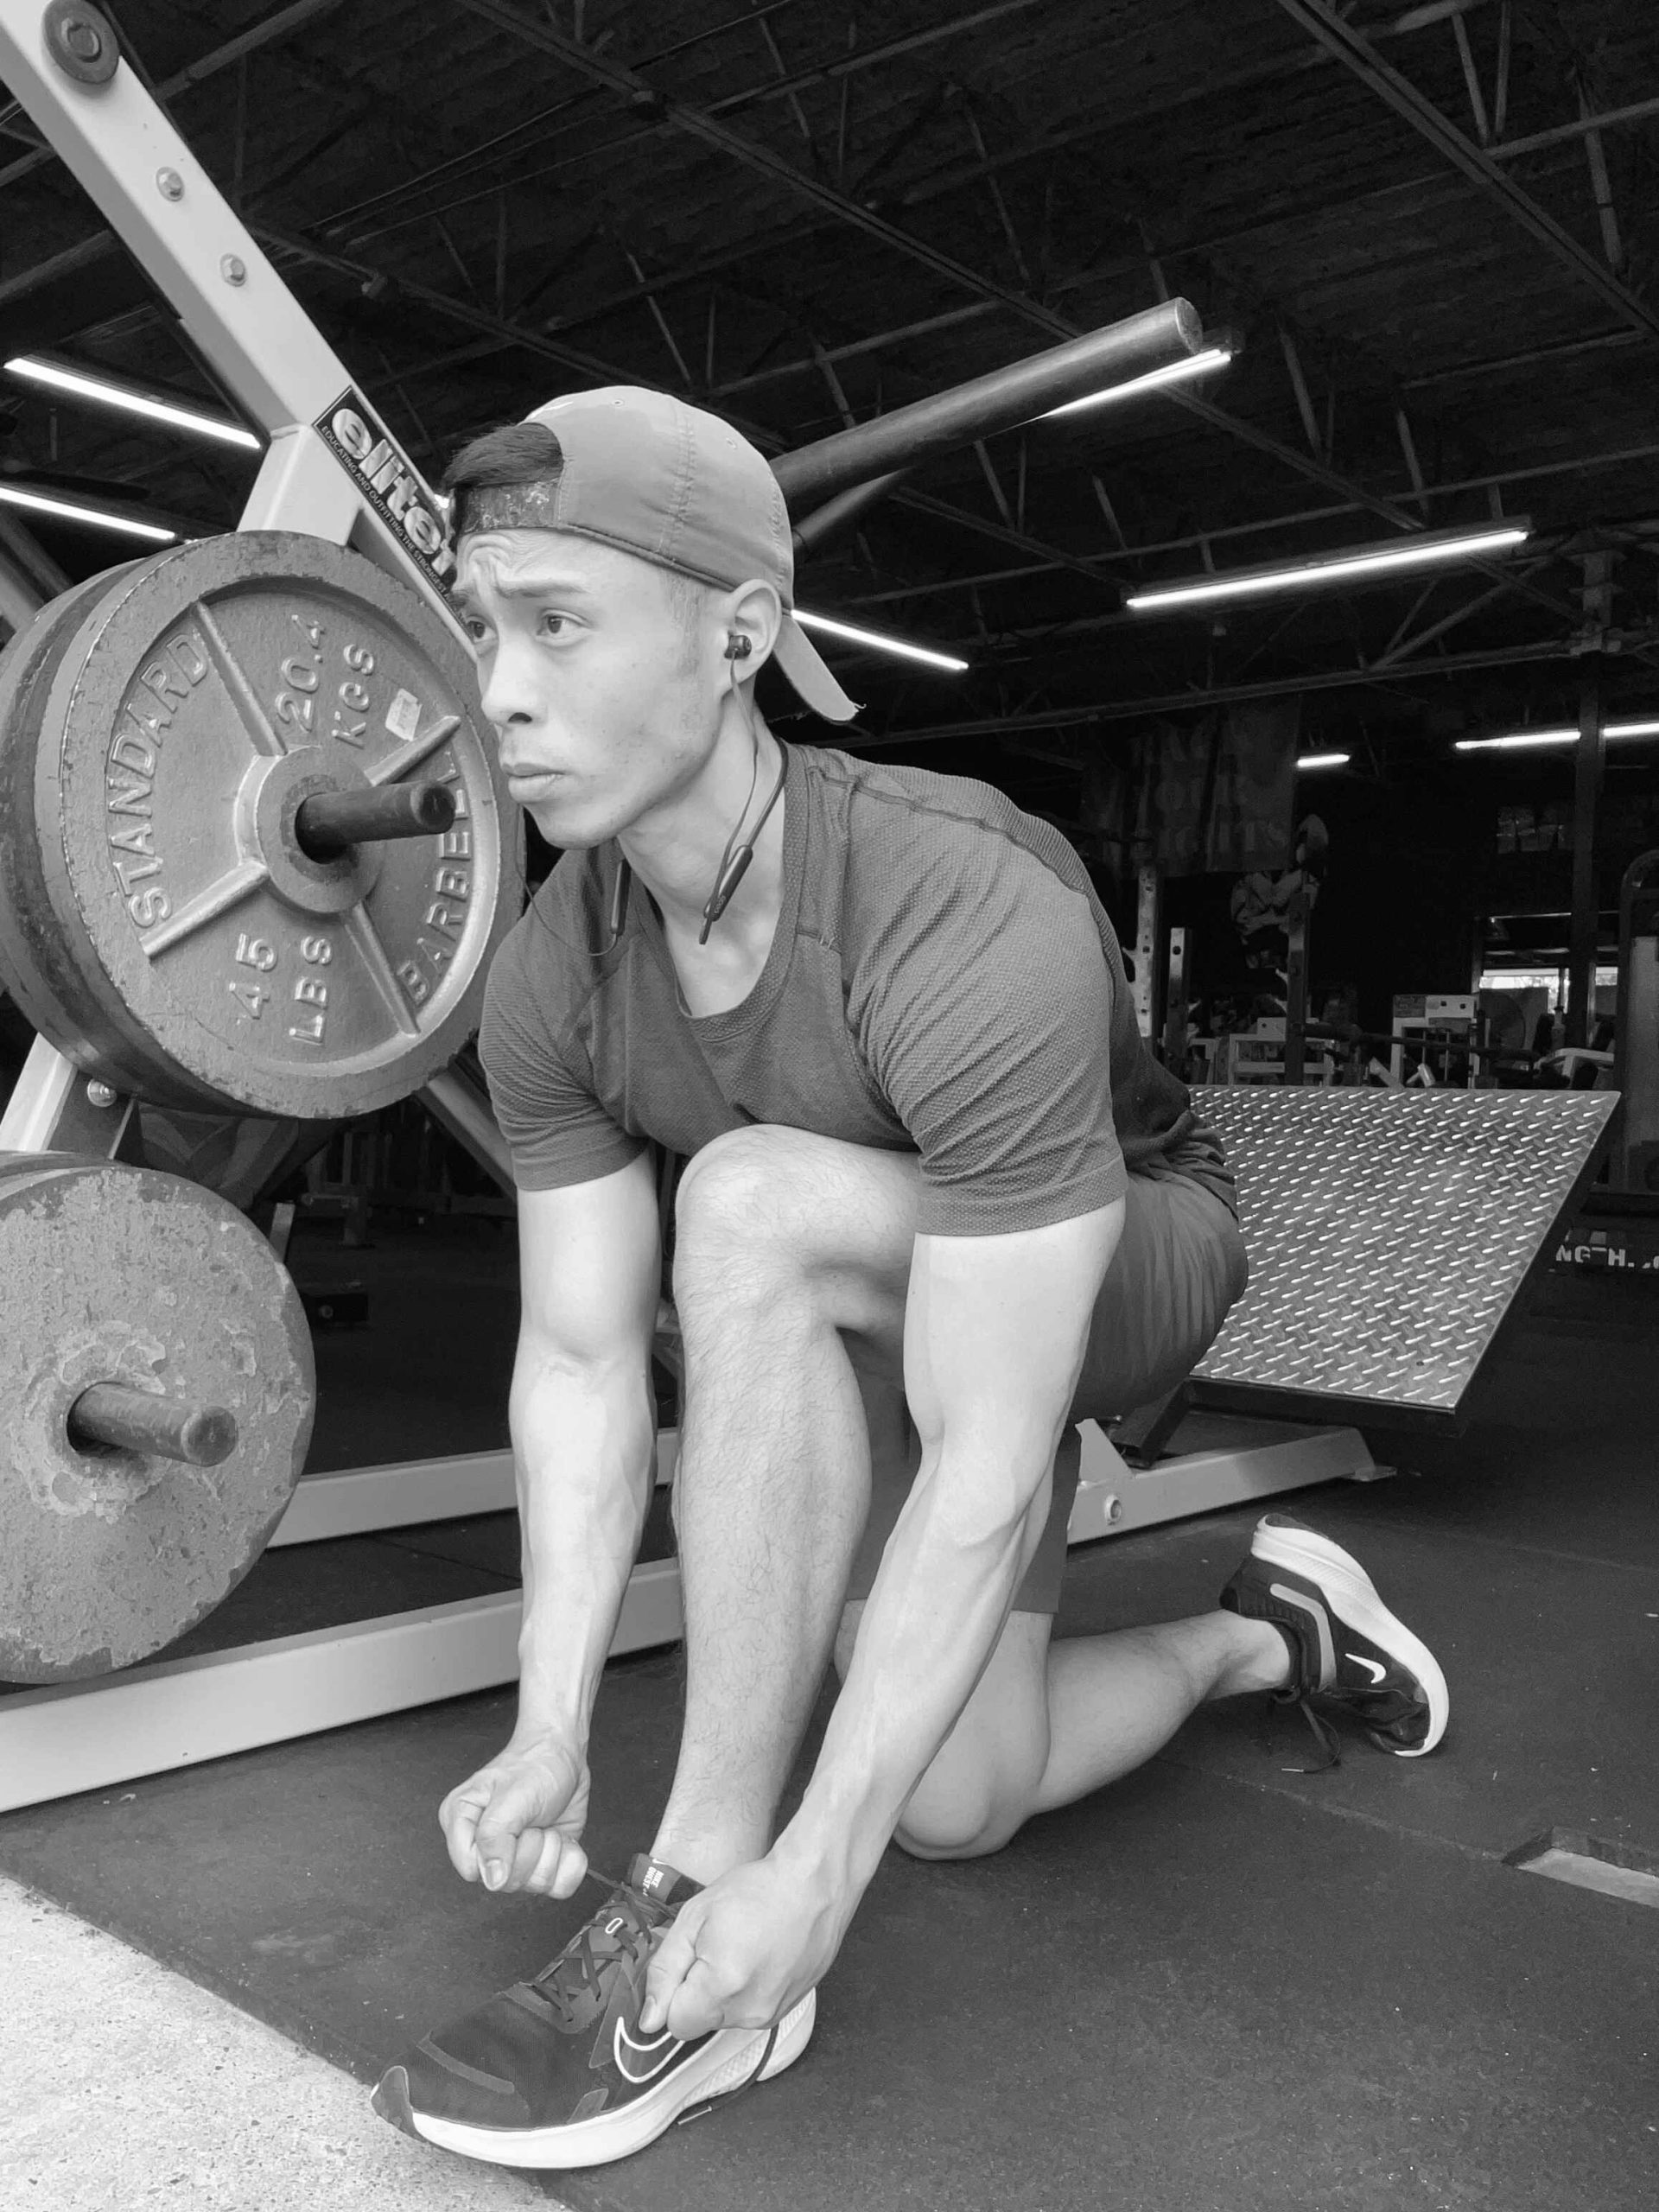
{"x": 939, "y": 1204}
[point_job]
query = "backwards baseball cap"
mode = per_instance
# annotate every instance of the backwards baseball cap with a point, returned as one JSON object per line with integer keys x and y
{"x": 642, "y": 471}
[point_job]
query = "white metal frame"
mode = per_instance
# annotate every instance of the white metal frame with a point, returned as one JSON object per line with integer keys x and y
{"x": 56, "y": 1741}
{"x": 75, "y": 1737}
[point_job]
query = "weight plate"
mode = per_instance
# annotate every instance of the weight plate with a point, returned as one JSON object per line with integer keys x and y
{"x": 35, "y": 965}
{"x": 196, "y": 955}
{"x": 111, "y": 1273}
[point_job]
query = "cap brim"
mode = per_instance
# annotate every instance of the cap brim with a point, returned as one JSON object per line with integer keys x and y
{"x": 797, "y": 657}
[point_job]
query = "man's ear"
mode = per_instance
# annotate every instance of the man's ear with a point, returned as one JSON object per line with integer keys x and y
{"x": 755, "y": 612}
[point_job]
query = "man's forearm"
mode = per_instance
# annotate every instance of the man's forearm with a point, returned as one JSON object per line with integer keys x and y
{"x": 583, "y": 1448}
{"x": 951, "y": 1567}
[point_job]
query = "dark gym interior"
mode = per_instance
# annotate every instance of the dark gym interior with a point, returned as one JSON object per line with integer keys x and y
{"x": 1396, "y": 833}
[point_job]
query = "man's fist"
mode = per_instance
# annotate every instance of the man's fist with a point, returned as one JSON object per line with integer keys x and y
{"x": 516, "y": 1823}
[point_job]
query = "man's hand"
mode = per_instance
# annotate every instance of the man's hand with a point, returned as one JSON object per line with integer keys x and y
{"x": 742, "y": 1952}
{"x": 516, "y": 1823}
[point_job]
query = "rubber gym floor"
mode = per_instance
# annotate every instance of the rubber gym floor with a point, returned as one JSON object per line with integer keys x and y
{"x": 1222, "y": 1983}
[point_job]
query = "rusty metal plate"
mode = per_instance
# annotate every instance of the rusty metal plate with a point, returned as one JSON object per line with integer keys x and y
{"x": 111, "y": 1274}
{"x": 1388, "y": 1231}
{"x": 166, "y": 929}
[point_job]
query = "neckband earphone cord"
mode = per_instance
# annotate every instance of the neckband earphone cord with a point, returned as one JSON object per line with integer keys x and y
{"x": 734, "y": 861}
{"x": 734, "y": 865}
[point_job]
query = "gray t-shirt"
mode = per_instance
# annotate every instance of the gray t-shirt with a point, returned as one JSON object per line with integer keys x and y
{"x": 943, "y": 981}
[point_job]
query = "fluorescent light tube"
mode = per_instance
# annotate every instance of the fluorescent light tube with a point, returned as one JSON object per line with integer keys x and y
{"x": 1531, "y": 740}
{"x": 12, "y": 495}
{"x": 1521, "y": 740}
{"x": 879, "y": 644}
{"x": 80, "y": 383}
{"x": 1330, "y": 568}
{"x": 1195, "y": 365}
{"x": 1306, "y": 760}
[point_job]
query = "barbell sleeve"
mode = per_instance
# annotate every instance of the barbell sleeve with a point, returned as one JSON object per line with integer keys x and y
{"x": 330, "y": 822}
{"x": 139, "y": 1421}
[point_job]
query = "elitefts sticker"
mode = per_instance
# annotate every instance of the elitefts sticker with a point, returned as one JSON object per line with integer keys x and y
{"x": 391, "y": 482}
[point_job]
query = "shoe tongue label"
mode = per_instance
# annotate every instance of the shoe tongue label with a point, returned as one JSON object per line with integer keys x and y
{"x": 656, "y": 1882}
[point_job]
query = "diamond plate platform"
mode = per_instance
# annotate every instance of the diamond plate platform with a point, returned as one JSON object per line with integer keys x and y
{"x": 1389, "y": 1234}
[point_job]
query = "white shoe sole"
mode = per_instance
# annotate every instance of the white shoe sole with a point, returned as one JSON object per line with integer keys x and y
{"x": 1354, "y": 1599}
{"x": 724, "y": 2064}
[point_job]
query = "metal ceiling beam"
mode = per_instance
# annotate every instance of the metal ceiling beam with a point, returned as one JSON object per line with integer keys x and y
{"x": 1403, "y": 648}
{"x": 927, "y": 328}
{"x": 786, "y": 87}
{"x": 1577, "y": 465}
{"x": 942, "y": 183}
{"x": 1075, "y": 134}
{"x": 865, "y": 57}
{"x": 1170, "y": 702}
{"x": 924, "y": 503}
{"x": 1498, "y": 364}
{"x": 455, "y": 167}
{"x": 1581, "y": 127}
{"x": 1323, "y": 24}
{"x": 697, "y": 123}
{"x": 961, "y": 175}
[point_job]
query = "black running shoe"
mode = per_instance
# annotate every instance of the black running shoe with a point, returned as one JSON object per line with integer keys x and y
{"x": 553, "y": 2072}
{"x": 1347, "y": 1649}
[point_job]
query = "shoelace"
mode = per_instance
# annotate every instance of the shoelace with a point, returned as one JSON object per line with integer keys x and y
{"x": 1384, "y": 1712}
{"x": 1324, "y": 1735}
{"x": 575, "y": 1987}
{"x": 730, "y": 2096}
{"x": 597, "y": 1948}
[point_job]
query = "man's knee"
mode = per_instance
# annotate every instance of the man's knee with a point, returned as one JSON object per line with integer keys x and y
{"x": 960, "y": 1823}
{"x": 742, "y": 1220}
{"x": 738, "y": 1182}
{"x": 984, "y": 1781}
{"x": 985, "y": 1777}
{"x": 760, "y": 1210}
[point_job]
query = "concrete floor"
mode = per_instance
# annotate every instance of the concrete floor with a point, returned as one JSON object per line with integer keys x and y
{"x": 126, "y": 2085}
{"x": 1222, "y": 1987}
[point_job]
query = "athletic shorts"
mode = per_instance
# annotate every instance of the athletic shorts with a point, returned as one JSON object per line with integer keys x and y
{"x": 1178, "y": 1266}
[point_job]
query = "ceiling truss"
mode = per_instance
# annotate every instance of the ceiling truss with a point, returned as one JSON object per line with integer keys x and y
{"x": 1023, "y": 289}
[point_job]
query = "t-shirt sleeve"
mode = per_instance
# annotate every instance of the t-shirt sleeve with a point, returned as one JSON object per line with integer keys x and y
{"x": 988, "y": 1031}
{"x": 556, "y": 1130}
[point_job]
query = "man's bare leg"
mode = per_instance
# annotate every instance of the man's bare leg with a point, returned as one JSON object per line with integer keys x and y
{"x": 1052, "y": 1721}
{"x": 791, "y": 1246}
{"x": 785, "y": 1240}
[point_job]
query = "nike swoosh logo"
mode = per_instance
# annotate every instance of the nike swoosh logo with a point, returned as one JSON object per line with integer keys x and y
{"x": 624, "y": 2048}
{"x": 1370, "y": 1666}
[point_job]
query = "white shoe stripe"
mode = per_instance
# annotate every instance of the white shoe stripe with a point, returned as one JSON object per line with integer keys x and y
{"x": 1321, "y": 1621}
